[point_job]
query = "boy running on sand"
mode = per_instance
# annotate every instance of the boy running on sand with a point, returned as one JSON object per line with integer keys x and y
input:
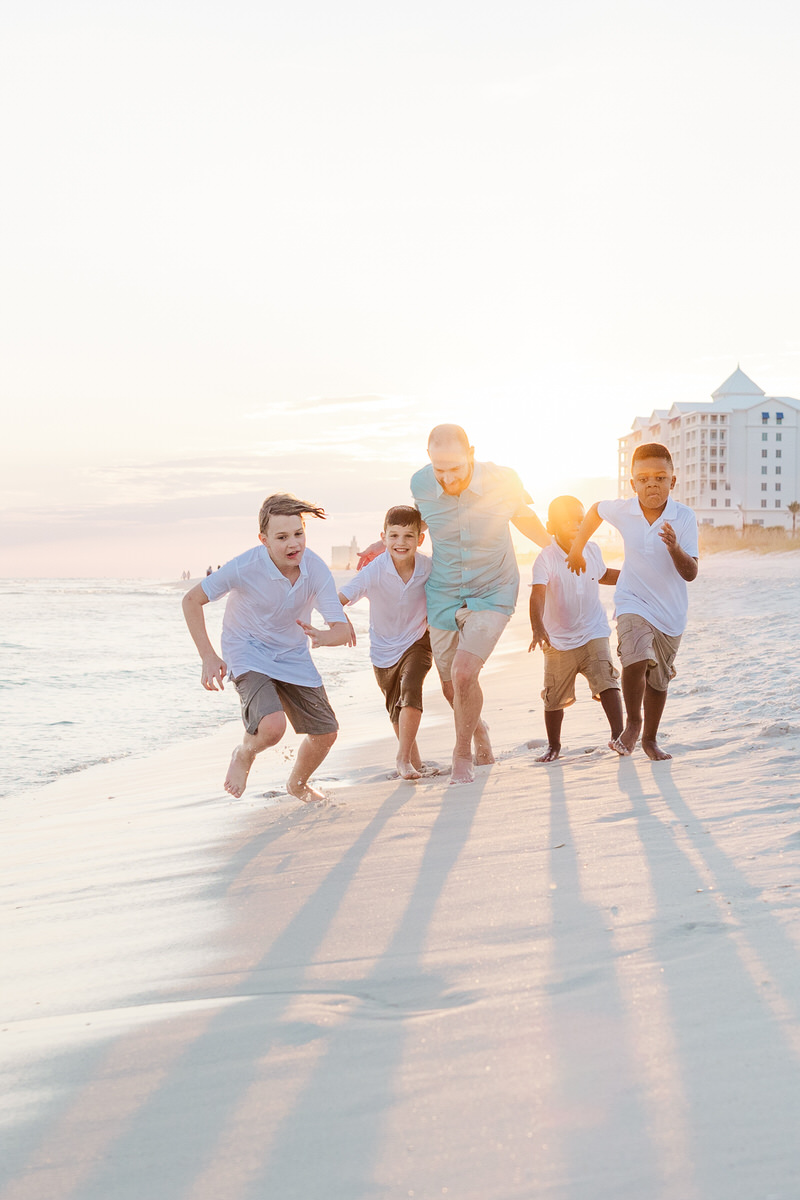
{"x": 651, "y": 599}
{"x": 399, "y": 644}
{"x": 265, "y": 635}
{"x": 568, "y": 622}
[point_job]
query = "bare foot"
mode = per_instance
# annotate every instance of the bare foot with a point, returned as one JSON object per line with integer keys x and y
{"x": 462, "y": 771}
{"x": 302, "y": 790}
{"x": 239, "y": 769}
{"x": 481, "y": 745}
{"x": 407, "y": 770}
{"x": 550, "y": 754}
{"x": 653, "y": 750}
{"x": 625, "y": 744}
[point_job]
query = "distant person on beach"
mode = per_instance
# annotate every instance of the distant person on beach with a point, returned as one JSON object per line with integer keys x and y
{"x": 570, "y": 625}
{"x": 265, "y": 641}
{"x": 209, "y": 571}
{"x": 473, "y": 586}
{"x": 399, "y": 643}
{"x": 651, "y": 598}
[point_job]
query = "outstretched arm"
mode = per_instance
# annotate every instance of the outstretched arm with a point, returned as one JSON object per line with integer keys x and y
{"x": 685, "y": 565}
{"x": 538, "y": 630}
{"x": 611, "y": 575}
{"x": 214, "y": 668}
{"x": 340, "y": 633}
{"x": 591, "y": 523}
{"x": 527, "y": 522}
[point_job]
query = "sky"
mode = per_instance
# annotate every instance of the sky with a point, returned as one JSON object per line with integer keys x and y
{"x": 253, "y": 247}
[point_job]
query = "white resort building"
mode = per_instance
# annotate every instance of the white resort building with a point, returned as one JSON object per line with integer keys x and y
{"x": 736, "y": 457}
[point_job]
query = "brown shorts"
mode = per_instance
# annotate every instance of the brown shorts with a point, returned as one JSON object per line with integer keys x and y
{"x": 402, "y": 683}
{"x": 639, "y": 641}
{"x": 308, "y": 708}
{"x": 562, "y": 667}
{"x": 478, "y": 633}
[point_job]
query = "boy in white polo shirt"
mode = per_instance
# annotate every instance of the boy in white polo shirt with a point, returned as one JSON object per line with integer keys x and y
{"x": 569, "y": 623}
{"x": 399, "y": 644}
{"x": 265, "y": 640}
{"x": 651, "y": 599}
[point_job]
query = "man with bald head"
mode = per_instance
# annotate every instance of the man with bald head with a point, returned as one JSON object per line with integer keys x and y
{"x": 474, "y": 581}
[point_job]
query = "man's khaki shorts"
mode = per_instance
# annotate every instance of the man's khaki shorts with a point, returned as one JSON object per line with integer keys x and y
{"x": 639, "y": 641}
{"x": 308, "y": 708}
{"x": 478, "y": 633}
{"x": 561, "y": 668}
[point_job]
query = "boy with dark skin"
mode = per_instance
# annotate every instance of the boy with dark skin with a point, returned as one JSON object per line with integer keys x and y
{"x": 577, "y": 641}
{"x": 661, "y": 557}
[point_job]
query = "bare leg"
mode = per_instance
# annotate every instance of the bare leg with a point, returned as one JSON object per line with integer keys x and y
{"x": 633, "y": 681}
{"x": 612, "y": 707}
{"x": 270, "y": 731}
{"x": 467, "y": 705}
{"x": 313, "y": 750}
{"x": 552, "y": 725}
{"x": 409, "y": 765}
{"x": 653, "y": 708}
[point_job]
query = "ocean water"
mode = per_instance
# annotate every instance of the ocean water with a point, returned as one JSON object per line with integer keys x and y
{"x": 99, "y": 669}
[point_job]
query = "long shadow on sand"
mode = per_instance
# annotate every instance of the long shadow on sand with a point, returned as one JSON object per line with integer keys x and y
{"x": 732, "y": 978}
{"x": 172, "y": 1136}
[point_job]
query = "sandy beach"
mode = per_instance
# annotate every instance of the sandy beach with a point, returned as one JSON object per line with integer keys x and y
{"x": 576, "y": 981}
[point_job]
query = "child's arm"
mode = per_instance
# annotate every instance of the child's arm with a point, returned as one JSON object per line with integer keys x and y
{"x": 527, "y": 522}
{"x": 611, "y": 576}
{"x": 340, "y": 633}
{"x": 591, "y": 523}
{"x": 214, "y": 669}
{"x": 344, "y": 601}
{"x": 685, "y": 565}
{"x": 540, "y": 637}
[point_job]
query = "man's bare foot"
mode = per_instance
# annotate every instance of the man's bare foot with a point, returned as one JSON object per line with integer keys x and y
{"x": 653, "y": 750}
{"x": 239, "y": 769}
{"x": 550, "y": 754}
{"x": 482, "y": 747}
{"x": 462, "y": 771}
{"x": 407, "y": 770}
{"x": 302, "y": 790}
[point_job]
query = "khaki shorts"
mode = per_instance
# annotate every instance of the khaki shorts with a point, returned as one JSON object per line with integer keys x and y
{"x": 478, "y": 633}
{"x": 562, "y": 667}
{"x": 308, "y": 708}
{"x": 402, "y": 683}
{"x": 639, "y": 641}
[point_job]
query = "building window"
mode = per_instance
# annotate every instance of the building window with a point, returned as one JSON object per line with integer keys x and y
{"x": 777, "y": 470}
{"x": 777, "y": 454}
{"x": 763, "y": 470}
{"x": 778, "y": 437}
{"x": 777, "y": 503}
{"x": 713, "y": 468}
{"x": 713, "y": 485}
{"x": 757, "y": 522}
{"x": 764, "y": 453}
{"x": 764, "y": 487}
{"x": 727, "y": 503}
{"x": 713, "y": 435}
{"x": 763, "y": 504}
{"x": 714, "y": 418}
{"x": 777, "y": 487}
{"x": 714, "y": 503}
{"x": 764, "y": 418}
{"x": 765, "y": 437}
{"x": 727, "y": 487}
{"x": 713, "y": 452}
{"x": 779, "y": 417}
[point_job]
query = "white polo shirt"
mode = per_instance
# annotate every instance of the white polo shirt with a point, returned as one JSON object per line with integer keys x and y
{"x": 573, "y": 613}
{"x": 259, "y": 629}
{"x": 398, "y": 613}
{"x": 649, "y": 583}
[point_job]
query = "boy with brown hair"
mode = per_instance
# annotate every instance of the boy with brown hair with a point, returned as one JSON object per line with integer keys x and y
{"x": 651, "y": 600}
{"x": 399, "y": 644}
{"x": 265, "y": 641}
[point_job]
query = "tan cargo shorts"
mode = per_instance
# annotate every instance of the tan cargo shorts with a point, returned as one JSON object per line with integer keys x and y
{"x": 562, "y": 667}
{"x": 478, "y": 633}
{"x": 639, "y": 641}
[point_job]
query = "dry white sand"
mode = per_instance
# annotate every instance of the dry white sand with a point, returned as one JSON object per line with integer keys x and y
{"x": 572, "y": 981}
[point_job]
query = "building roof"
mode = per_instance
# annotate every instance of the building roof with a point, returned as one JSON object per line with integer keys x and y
{"x": 737, "y": 384}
